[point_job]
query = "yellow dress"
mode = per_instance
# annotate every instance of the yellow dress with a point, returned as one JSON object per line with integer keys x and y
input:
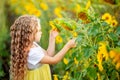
{"x": 41, "y": 73}
{"x": 36, "y": 70}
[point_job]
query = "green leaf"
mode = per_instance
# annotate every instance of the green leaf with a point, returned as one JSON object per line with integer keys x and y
{"x": 113, "y": 36}
{"x": 117, "y": 1}
{"x": 1, "y": 64}
{"x": 2, "y": 73}
{"x": 118, "y": 43}
{"x": 99, "y": 38}
{"x": 92, "y": 72}
{"x": 69, "y": 66}
{"x": 104, "y": 24}
{"x": 114, "y": 75}
{"x": 94, "y": 30}
{"x": 79, "y": 39}
{"x": 77, "y": 75}
{"x": 118, "y": 30}
{"x": 87, "y": 52}
{"x": 59, "y": 27}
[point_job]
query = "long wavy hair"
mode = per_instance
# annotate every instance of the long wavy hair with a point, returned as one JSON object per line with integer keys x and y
{"x": 22, "y": 36}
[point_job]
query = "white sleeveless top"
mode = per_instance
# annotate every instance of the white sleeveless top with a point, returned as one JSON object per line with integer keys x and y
{"x": 35, "y": 55}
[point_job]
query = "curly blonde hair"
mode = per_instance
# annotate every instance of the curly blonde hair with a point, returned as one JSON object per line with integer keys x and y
{"x": 22, "y": 36}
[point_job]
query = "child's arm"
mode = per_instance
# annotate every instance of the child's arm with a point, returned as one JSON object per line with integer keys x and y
{"x": 51, "y": 46}
{"x": 55, "y": 59}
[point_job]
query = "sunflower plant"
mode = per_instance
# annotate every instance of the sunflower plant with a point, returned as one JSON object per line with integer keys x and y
{"x": 96, "y": 41}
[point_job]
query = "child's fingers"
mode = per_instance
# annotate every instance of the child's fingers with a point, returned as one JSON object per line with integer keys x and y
{"x": 73, "y": 39}
{"x": 74, "y": 46}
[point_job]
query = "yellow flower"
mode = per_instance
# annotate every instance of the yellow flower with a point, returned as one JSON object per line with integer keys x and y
{"x": 88, "y": 5}
{"x": 75, "y": 61}
{"x": 100, "y": 66}
{"x": 17, "y": 11}
{"x": 99, "y": 78}
{"x": 75, "y": 34}
{"x": 66, "y": 76}
{"x": 114, "y": 23}
{"x": 58, "y": 39}
{"x": 67, "y": 72}
{"x": 112, "y": 54}
{"x": 29, "y": 7}
{"x": 77, "y": 8}
{"x": 57, "y": 12}
{"x": 118, "y": 65}
{"x": 103, "y": 50}
{"x": 107, "y": 17}
{"x": 65, "y": 61}
{"x": 99, "y": 57}
{"x": 52, "y": 25}
{"x": 55, "y": 77}
{"x": 13, "y": 1}
{"x": 44, "y": 6}
{"x": 23, "y": 3}
{"x": 23, "y": 12}
{"x": 102, "y": 53}
{"x": 37, "y": 13}
{"x": 116, "y": 58}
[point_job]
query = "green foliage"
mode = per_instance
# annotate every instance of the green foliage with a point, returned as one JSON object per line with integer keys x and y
{"x": 4, "y": 43}
{"x": 88, "y": 39}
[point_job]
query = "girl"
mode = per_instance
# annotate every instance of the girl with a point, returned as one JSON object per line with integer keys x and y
{"x": 28, "y": 60}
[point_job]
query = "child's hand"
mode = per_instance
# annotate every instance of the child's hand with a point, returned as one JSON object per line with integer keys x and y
{"x": 53, "y": 33}
{"x": 71, "y": 43}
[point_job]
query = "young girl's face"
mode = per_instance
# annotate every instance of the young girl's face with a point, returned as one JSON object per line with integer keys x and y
{"x": 39, "y": 33}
